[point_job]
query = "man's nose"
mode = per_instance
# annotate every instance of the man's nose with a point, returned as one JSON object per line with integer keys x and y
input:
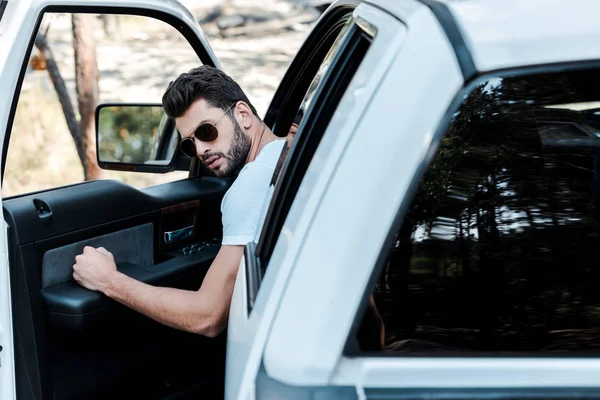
{"x": 201, "y": 148}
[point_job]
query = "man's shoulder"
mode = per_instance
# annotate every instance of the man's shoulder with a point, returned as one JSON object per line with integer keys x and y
{"x": 269, "y": 155}
{"x": 263, "y": 165}
{"x": 255, "y": 177}
{"x": 249, "y": 178}
{"x": 243, "y": 203}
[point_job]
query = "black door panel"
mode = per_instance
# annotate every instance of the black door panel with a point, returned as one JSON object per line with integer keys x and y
{"x": 134, "y": 245}
{"x": 72, "y": 307}
{"x": 99, "y": 202}
{"x": 72, "y": 343}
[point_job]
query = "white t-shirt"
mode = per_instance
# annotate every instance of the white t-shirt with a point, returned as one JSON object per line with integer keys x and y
{"x": 242, "y": 205}
{"x": 263, "y": 213}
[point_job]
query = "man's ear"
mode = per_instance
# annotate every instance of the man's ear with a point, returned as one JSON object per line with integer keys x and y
{"x": 244, "y": 114}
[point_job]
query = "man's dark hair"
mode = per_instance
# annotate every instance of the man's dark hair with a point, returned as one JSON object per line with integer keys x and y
{"x": 204, "y": 82}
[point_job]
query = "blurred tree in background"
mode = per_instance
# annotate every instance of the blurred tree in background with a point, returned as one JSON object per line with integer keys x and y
{"x": 82, "y": 129}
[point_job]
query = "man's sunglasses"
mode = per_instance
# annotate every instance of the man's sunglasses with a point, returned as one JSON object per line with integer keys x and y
{"x": 205, "y": 132}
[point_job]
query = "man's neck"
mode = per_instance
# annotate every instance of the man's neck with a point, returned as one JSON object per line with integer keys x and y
{"x": 260, "y": 139}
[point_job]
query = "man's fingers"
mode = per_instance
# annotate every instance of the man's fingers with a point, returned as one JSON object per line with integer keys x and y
{"x": 89, "y": 249}
{"x": 104, "y": 251}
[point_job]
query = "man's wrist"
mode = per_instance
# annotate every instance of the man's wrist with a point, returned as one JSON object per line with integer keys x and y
{"x": 112, "y": 285}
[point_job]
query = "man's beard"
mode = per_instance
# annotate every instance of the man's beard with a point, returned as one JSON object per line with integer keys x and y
{"x": 237, "y": 154}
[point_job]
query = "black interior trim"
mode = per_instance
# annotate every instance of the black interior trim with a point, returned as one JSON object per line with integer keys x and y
{"x": 125, "y": 207}
{"x": 3, "y": 5}
{"x": 121, "y": 201}
{"x": 320, "y": 113}
{"x": 304, "y": 66}
{"x": 325, "y": 37}
{"x": 71, "y": 307}
{"x": 175, "y": 22}
{"x": 350, "y": 348}
{"x": 448, "y": 24}
{"x": 29, "y": 331}
{"x": 82, "y": 211}
{"x": 253, "y": 274}
{"x": 483, "y": 393}
{"x": 164, "y": 144}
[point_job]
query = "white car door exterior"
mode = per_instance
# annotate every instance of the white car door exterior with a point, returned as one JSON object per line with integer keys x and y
{"x": 262, "y": 341}
{"x": 408, "y": 95}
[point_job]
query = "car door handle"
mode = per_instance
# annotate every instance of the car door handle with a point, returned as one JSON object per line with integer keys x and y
{"x": 43, "y": 209}
{"x": 179, "y": 234}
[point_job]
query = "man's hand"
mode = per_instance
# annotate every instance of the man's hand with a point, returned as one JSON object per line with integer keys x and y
{"x": 94, "y": 268}
{"x": 204, "y": 311}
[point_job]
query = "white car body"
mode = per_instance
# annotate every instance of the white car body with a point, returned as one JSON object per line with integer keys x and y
{"x": 416, "y": 68}
{"x": 303, "y": 322}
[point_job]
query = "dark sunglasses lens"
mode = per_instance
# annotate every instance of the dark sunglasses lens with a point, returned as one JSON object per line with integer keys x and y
{"x": 188, "y": 147}
{"x": 206, "y": 133}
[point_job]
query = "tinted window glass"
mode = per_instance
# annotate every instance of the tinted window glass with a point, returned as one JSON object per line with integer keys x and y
{"x": 500, "y": 249}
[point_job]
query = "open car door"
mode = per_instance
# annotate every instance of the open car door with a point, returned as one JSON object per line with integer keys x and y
{"x": 64, "y": 341}
{"x": 334, "y": 38}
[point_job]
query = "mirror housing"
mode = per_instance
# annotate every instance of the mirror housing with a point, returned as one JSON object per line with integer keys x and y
{"x": 137, "y": 138}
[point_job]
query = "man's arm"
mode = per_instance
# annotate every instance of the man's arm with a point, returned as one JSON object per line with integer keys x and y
{"x": 204, "y": 311}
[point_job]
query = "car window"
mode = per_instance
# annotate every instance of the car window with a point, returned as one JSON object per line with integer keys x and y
{"x": 313, "y": 116}
{"x": 323, "y": 68}
{"x": 498, "y": 250}
{"x": 308, "y": 97}
{"x": 136, "y": 58}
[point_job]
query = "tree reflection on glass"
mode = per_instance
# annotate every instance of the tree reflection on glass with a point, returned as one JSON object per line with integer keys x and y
{"x": 499, "y": 250}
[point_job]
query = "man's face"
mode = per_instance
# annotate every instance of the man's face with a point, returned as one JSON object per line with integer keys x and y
{"x": 227, "y": 154}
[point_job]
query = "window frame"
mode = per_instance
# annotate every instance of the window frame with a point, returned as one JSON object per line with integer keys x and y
{"x": 315, "y": 124}
{"x": 311, "y": 131}
{"x": 3, "y": 5}
{"x": 185, "y": 30}
{"x": 279, "y": 117}
{"x": 350, "y": 347}
{"x": 285, "y": 104}
{"x": 304, "y": 66}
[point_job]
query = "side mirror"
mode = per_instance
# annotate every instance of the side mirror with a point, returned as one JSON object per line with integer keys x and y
{"x": 137, "y": 138}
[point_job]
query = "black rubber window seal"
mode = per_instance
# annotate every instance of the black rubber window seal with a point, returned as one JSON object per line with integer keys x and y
{"x": 3, "y": 5}
{"x": 450, "y": 27}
